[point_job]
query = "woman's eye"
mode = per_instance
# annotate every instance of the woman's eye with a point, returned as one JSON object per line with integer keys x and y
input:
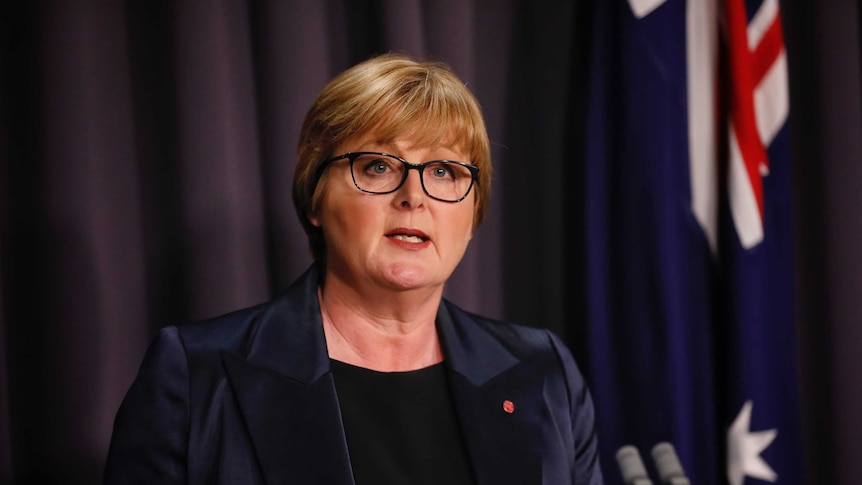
{"x": 377, "y": 167}
{"x": 441, "y": 171}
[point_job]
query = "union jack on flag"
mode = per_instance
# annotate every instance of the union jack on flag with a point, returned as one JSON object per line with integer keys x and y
{"x": 757, "y": 109}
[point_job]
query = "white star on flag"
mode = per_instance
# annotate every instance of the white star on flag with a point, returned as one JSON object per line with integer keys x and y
{"x": 744, "y": 447}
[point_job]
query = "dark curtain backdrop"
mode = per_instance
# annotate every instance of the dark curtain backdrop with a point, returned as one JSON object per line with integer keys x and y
{"x": 146, "y": 159}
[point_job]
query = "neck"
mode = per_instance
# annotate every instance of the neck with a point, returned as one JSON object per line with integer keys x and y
{"x": 386, "y": 331}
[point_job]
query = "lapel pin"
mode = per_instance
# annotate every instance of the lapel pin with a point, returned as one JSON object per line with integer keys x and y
{"x": 508, "y": 406}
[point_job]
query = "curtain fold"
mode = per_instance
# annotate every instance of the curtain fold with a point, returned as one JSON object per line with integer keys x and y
{"x": 293, "y": 62}
{"x": 220, "y": 172}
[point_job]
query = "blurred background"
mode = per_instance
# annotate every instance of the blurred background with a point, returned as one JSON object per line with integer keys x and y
{"x": 146, "y": 158}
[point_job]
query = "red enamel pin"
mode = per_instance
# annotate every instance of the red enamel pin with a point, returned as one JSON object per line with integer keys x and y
{"x": 508, "y": 406}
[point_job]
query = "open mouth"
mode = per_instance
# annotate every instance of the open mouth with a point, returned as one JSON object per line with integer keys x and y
{"x": 407, "y": 235}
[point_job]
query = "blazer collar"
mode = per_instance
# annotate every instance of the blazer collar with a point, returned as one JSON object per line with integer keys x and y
{"x": 468, "y": 348}
{"x": 497, "y": 440}
{"x": 290, "y": 339}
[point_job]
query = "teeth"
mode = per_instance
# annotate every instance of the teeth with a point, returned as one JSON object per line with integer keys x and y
{"x": 402, "y": 237}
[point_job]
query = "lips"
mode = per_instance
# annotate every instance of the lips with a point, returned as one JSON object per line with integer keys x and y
{"x": 407, "y": 235}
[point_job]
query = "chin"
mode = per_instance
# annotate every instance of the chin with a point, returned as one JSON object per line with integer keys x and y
{"x": 408, "y": 276}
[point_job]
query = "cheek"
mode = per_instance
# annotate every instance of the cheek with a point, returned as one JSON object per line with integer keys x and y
{"x": 462, "y": 224}
{"x": 350, "y": 220}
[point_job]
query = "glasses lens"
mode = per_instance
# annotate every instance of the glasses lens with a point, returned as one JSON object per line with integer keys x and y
{"x": 377, "y": 173}
{"x": 447, "y": 181}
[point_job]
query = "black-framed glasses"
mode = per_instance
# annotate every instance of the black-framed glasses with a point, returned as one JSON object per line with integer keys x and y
{"x": 382, "y": 173}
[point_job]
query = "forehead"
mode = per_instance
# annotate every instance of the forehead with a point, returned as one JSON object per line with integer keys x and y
{"x": 412, "y": 152}
{"x": 403, "y": 140}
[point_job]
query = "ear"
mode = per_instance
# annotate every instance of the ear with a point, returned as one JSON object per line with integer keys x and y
{"x": 313, "y": 219}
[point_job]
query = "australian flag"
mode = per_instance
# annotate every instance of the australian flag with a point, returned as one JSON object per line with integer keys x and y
{"x": 690, "y": 330}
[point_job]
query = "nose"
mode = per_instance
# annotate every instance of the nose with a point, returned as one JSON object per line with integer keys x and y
{"x": 411, "y": 194}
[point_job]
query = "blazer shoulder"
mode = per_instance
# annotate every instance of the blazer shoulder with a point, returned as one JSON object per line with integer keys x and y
{"x": 238, "y": 331}
{"x": 233, "y": 331}
{"x": 521, "y": 340}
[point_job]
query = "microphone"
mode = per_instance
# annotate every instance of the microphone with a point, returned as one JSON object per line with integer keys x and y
{"x": 669, "y": 468}
{"x": 632, "y": 467}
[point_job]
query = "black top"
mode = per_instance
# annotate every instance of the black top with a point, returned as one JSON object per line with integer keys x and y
{"x": 401, "y": 426}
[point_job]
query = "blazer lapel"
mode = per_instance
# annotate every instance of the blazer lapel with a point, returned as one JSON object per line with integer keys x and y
{"x": 498, "y": 417}
{"x": 287, "y": 396}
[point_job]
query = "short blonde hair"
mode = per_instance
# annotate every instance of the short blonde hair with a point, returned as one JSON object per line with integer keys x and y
{"x": 386, "y": 97}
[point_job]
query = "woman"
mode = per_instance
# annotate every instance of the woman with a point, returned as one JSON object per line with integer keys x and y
{"x": 361, "y": 373}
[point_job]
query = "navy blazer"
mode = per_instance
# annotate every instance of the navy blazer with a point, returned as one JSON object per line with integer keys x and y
{"x": 248, "y": 398}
